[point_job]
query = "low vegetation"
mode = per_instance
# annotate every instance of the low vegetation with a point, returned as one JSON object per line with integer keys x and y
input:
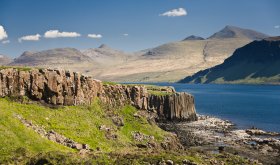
{"x": 19, "y": 68}
{"x": 83, "y": 124}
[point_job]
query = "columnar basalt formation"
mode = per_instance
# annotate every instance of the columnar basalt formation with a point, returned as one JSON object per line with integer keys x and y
{"x": 176, "y": 106}
{"x": 56, "y": 87}
{"x": 59, "y": 87}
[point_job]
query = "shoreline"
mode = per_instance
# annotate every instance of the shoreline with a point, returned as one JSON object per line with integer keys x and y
{"x": 215, "y": 135}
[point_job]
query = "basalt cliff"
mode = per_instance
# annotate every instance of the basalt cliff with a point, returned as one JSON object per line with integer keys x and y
{"x": 59, "y": 87}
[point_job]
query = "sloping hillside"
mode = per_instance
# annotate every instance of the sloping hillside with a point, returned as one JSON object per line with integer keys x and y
{"x": 173, "y": 61}
{"x": 257, "y": 62}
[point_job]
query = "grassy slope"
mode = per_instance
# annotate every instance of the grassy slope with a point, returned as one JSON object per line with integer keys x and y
{"x": 81, "y": 123}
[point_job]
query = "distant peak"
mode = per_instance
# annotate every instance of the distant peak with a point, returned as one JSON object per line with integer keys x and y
{"x": 193, "y": 37}
{"x": 230, "y": 31}
{"x": 27, "y": 53}
{"x": 231, "y": 27}
{"x": 103, "y": 46}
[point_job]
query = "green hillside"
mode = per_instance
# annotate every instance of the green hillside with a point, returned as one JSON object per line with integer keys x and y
{"x": 255, "y": 63}
{"x": 22, "y": 145}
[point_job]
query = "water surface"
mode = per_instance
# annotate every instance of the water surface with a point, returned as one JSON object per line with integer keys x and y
{"x": 245, "y": 105}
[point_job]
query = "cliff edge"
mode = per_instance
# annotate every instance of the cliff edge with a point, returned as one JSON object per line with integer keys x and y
{"x": 60, "y": 87}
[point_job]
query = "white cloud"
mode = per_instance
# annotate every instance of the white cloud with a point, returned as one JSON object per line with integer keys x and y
{"x": 96, "y": 36}
{"x": 125, "y": 34}
{"x": 277, "y": 26}
{"x": 56, "y": 34}
{"x": 3, "y": 33}
{"x": 35, "y": 37}
{"x": 5, "y": 41}
{"x": 175, "y": 13}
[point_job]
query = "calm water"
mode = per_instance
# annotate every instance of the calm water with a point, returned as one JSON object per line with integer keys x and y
{"x": 245, "y": 105}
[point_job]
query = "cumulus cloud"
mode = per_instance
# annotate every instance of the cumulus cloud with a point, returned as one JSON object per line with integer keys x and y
{"x": 125, "y": 34}
{"x": 5, "y": 41}
{"x": 175, "y": 13}
{"x": 56, "y": 34}
{"x": 96, "y": 36}
{"x": 35, "y": 37}
{"x": 277, "y": 26}
{"x": 3, "y": 33}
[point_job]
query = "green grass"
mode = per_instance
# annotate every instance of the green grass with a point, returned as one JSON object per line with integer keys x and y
{"x": 139, "y": 124}
{"x": 80, "y": 123}
{"x": 159, "y": 93}
{"x": 109, "y": 83}
{"x": 15, "y": 135}
{"x": 19, "y": 144}
{"x": 19, "y": 68}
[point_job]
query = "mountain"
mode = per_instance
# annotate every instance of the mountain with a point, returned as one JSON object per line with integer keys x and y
{"x": 193, "y": 37}
{"x": 256, "y": 62}
{"x": 168, "y": 62}
{"x": 236, "y": 32}
{"x": 176, "y": 60}
{"x": 51, "y": 57}
{"x": 105, "y": 55}
{"x": 4, "y": 60}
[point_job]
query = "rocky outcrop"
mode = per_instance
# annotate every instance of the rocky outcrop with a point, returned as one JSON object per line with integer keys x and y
{"x": 176, "y": 106}
{"x": 56, "y": 87}
{"x": 171, "y": 106}
{"x": 59, "y": 87}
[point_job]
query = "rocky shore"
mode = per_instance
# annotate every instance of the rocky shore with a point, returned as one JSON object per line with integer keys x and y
{"x": 214, "y": 135}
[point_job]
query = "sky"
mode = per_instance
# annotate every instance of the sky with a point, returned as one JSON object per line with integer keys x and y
{"x": 128, "y": 25}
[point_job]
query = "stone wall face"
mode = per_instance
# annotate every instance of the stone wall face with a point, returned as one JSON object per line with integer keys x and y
{"x": 59, "y": 87}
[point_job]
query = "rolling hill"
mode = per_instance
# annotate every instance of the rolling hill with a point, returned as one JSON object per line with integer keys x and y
{"x": 256, "y": 62}
{"x": 51, "y": 57}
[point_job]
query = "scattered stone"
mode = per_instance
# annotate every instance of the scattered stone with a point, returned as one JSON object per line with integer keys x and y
{"x": 140, "y": 145}
{"x": 54, "y": 136}
{"x": 256, "y": 131}
{"x": 118, "y": 121}
{"x": 136, "y": 115}
{"x": 138, "y": 136}
{"x": 169, "y": 162}
{"x": 221, "y": 148}
{"x": 104, "y": 128}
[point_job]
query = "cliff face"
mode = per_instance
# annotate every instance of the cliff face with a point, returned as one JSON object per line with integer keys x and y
{"x": 174, "y": 106}
{"x": 59, "y": 87}
{"x": 56, "y": 87}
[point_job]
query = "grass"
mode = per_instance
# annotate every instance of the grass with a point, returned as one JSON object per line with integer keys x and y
{"x": 16, "y": 67}
{"x": 80, "y": 123}
{"x": 139, "y": 124}
{"x": 158, "y": 90}
{"x": 14, "y": 135}
{"x": 159, "y": 93}
{"x": 19, "y": 144}
{"x": 109, "y": 83}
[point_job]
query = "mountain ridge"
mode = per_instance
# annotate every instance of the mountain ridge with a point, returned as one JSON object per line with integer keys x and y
{"x": 233, "y": 31}
{"x": 168, "y": 62}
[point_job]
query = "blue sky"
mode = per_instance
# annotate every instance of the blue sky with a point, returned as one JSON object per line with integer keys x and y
{"x": 139, "y": 19}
